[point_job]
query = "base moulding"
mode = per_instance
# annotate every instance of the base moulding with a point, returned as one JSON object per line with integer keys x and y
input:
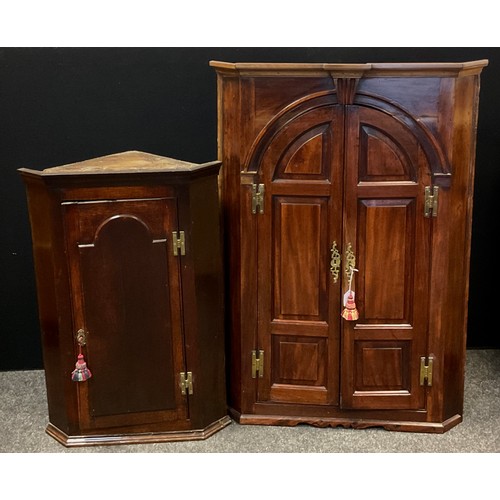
{"x": 402, "y": 426}
{"x": 140, "y": 438}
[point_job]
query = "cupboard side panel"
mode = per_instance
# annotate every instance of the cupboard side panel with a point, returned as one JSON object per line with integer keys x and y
{"x": 53, "y": 303}
{"x": 203, "y": 299}
{"x": 228, "y": 106}
{"x": 459, "y": 227}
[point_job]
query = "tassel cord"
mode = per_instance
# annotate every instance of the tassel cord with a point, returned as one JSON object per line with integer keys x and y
{"x": 351, "y": 276}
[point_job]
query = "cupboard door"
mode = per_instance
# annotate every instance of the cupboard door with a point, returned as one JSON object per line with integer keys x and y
{"x": 385, "y": 224}
{"x": 297, "y": 298}
{"x": 126, "y": 296}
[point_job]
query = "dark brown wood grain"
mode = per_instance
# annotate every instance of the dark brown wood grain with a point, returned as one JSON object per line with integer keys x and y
{"x": 103, "y": 246}
{"x": 344, "y": 153}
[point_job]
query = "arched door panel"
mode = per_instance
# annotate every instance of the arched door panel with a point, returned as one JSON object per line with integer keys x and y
{"x": 390, "y": 237}
{"x": 129, "y": 309}
{"x": 297, "y": 299}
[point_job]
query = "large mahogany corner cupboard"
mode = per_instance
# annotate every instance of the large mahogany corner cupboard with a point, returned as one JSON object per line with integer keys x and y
{"x": 330, "y": 167}
{"x": 128, "y": 261}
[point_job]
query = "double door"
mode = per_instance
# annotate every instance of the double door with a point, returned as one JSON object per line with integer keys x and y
{"x": 341, "y": 187}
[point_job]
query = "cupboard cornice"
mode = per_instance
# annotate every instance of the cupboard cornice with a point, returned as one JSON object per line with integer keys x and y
{"x": 341, "y": 70}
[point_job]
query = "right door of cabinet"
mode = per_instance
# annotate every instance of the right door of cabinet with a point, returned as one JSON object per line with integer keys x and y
{"x": 343, "y": 187}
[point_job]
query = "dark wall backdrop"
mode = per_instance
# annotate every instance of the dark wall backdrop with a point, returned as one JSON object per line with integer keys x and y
{"x": 62, "y": 105}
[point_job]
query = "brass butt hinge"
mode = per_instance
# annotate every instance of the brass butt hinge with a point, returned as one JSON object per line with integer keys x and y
{"x": 179, "y": 244}
{"x": 426, "y": 370}
{"x": 257, "y": 364}
{"x": 258, "y": 198}
{"x": 186, "y": 382}
{"x": 431, "y": 201}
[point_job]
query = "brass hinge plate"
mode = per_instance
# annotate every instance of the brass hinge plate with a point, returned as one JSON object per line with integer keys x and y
{"x": 179, "y": 243}
{"x": 257, "y": 364}
{"x": 431, "y": 201}
{"x": 426, "y": 366}
{"x": 186, "y": 383}
{"x": 258, "y": 198}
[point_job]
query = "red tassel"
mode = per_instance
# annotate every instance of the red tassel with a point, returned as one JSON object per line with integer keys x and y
{"x": 81, "y": 372}
{"x": 350, "y": 313}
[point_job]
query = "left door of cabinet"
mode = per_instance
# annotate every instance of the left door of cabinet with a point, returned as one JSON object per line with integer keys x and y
{"x": 126, "y": 292}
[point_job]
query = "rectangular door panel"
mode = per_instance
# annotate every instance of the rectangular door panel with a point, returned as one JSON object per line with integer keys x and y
{"x": 300, "y": 260}
{"x": 299, "y": 367}
{"x": 382, "y": 364}
{"x": 386, "y": 242}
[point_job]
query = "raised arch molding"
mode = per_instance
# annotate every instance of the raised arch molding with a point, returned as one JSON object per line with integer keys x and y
{"x": 438, "y": 163}
{"x": 120, "y": 219}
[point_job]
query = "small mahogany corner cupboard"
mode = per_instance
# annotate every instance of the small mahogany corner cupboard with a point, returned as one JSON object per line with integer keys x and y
{"x": 341, "y": 177}
{"x": 127, "y": 252}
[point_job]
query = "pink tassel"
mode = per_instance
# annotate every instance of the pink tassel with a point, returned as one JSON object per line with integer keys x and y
{"x": 350, "y": 312}
{"x": 81, "y": 372}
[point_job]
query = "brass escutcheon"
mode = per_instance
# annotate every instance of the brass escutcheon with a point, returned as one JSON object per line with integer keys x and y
{"x": 335, "y": 262}
{"x": 81, "y": 337}
{"x": 350, "y": 260}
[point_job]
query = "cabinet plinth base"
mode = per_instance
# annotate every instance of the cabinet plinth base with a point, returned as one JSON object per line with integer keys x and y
{"x": 140, "y": 438}
{"x": 359, "y": 423}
